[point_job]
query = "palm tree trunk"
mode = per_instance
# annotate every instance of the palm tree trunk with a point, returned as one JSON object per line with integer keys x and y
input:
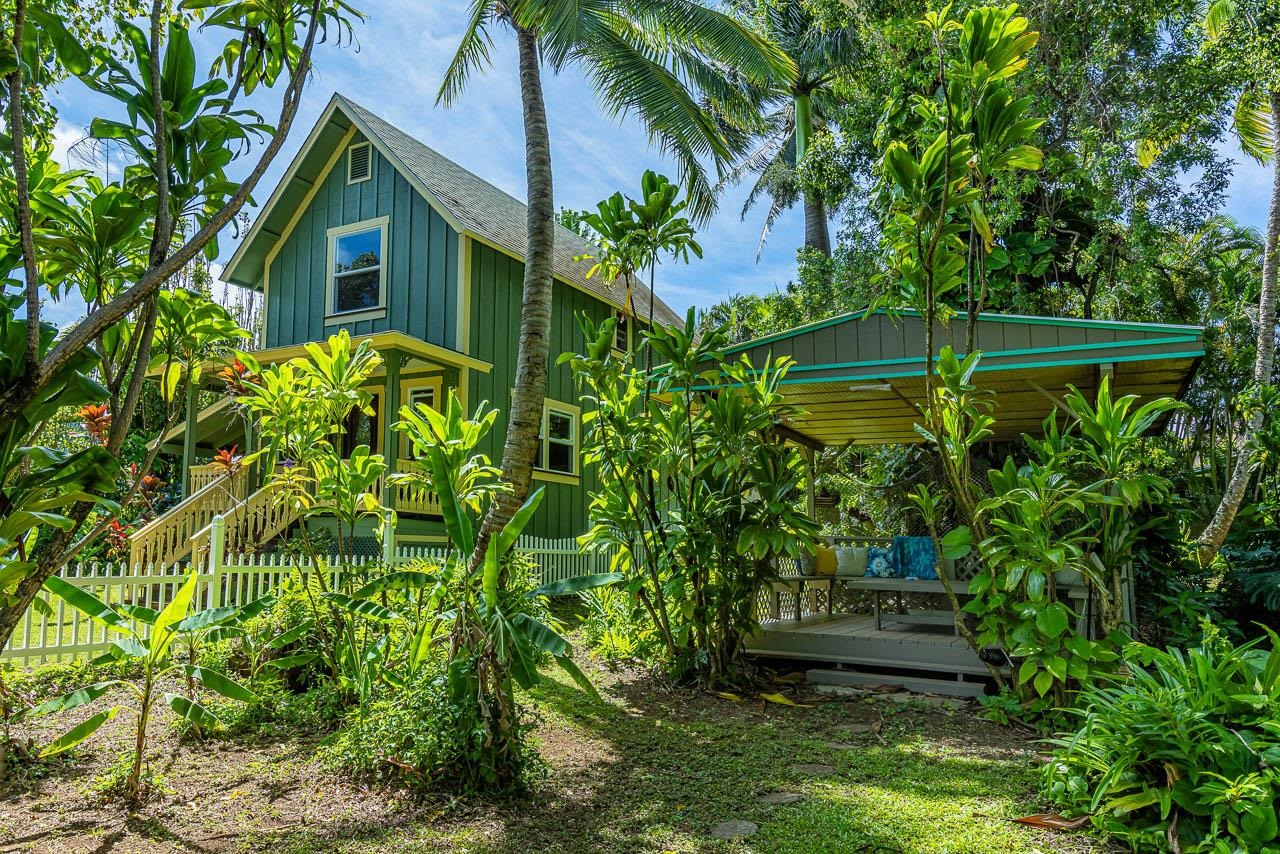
{"x": 524, "y": 421}
{"x": 1215, "y": 533}
{"x": 816, "y": 234}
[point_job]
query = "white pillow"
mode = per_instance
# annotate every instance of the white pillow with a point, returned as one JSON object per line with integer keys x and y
{"x": 851, "y": 561}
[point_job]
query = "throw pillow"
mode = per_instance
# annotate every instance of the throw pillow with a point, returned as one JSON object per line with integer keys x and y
{"x": 881, "y": 562}
{"x": 806, "y": 562}
{"x": 851, "y": 561}
{"x": 825, "y": 561}
{"x": 917, "y": 558}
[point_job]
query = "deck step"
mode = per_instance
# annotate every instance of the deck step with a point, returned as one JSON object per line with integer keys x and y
{"x": 948, "y": 687}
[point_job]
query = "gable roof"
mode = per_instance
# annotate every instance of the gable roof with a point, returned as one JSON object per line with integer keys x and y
{"x": 470, "y": 204}
{"x": 859, "y": 377}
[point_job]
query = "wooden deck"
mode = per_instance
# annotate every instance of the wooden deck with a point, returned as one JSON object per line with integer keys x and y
{"x": 854, "y": 639}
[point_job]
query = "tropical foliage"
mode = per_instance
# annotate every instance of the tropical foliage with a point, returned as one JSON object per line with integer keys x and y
{"x": 700, "y": 493}
{"x": 1183, "y": 753}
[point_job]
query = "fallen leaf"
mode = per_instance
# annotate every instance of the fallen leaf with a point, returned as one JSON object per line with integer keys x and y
{"x": 1053, "y": 821}
{"x": 237, "y": 793}
{"x": 784, "y": 701}
{"x": 790, "y": 678}
{"x": 725, "y": 695}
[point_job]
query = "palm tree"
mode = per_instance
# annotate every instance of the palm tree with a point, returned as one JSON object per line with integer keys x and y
{"x": 794, "y": 109}
{"x": 1246, "y": 32}
{"x": 645, "y": 58}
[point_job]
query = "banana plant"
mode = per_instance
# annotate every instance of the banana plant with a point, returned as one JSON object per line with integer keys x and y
{"x": 146, "y": 637}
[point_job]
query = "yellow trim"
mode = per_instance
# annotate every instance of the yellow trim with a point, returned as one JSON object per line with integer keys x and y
{"x": 411, "y": 539}
{"x": 380, "y": 341}
{"x": 312, "y": 138}
{"x": 293, "y": 220}
{"x": 556, "y": 477}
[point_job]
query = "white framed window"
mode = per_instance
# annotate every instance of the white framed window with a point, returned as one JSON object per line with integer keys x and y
{"x": 417, "y": 391}
{"x": 357, "y": 270}
{"x": 558, "y": 439}
{"x": 621, "y": 333}
{"x": 359, "y": 162}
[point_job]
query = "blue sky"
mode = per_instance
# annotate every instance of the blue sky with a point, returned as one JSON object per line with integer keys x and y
{"x": 396, "y": 70}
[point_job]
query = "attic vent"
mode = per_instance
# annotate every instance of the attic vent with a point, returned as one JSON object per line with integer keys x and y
{"x": 359, "y": 163}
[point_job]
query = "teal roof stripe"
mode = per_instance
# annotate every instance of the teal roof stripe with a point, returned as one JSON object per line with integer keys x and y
{"x": 1029, "y": 351}
{"x": 1137, "y": 357}
{"x": 1030, "y": 320}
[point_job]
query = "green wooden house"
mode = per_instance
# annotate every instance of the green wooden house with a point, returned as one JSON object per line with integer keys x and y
{"x": 374, "y": 232}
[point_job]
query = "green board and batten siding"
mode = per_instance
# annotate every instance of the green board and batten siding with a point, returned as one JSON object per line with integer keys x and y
{"x": 496, "y": 283}
{"x": 421, "y": 267}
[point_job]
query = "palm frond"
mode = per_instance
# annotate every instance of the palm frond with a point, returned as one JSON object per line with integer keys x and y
{"x": 1255, "y": 125}
{"x": 473, "y": 52}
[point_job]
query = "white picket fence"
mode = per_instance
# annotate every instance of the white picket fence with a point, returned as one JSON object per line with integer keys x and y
{"x": 60, "y": 632}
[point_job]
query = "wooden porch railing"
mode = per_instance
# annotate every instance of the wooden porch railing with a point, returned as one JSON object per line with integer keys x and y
{"x": 166, "y": 539}
{"x": 249, "y": 525}
{"x": 203, "y": 475}
{"x": 251, "y": 520}
{"x": 414, "y": 499}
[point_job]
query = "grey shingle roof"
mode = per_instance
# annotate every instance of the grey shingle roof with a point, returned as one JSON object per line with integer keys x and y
{"x": 494, "y": 215}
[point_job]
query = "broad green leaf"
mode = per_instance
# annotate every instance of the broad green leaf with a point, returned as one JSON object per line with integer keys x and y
{"x": 85, "y": 602}
{"x": 80, "y": 732}
{"x": 285, "y": 638}
{"x": 140, "y": 613}
{"x": 577, "y": 584}
{"x": 402, "y": 580}
{"x": 191, "y": 711}
{"x": 568, "y": 665}
{"x": 363, "y": 607}
{"x": 172, "y": 614}
{"x": 289, "y": 662}
{"x": 540, "y": 635}
{"x": 208, "y": 618}
{"x": 220, "y": 683}
{"x": 72, "y": 700}
{"x": 131, "y": 646}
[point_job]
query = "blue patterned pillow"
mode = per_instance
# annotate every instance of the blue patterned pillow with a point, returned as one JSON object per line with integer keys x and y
{"x": 882, "y": 562}
{"x": 917, "y": 558}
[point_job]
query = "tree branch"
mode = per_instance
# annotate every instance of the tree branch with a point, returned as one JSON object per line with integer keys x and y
{"x": 87, "y": 330}
{"x": 17, "y": 132}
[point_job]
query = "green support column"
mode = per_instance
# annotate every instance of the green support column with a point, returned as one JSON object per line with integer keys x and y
{"x": 390, "y": 414}
{"x": 251, "y": 446}
{"x": 189, "y": 439}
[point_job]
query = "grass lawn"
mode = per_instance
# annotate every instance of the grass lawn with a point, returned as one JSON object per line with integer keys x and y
{"x": 650, "y": 769}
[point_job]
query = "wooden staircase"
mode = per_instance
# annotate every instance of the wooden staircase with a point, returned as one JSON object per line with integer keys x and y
{"x": 184, "y": 530}
{"x": 250, "y": 520}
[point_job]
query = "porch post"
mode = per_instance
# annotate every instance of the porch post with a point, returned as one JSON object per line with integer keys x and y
{"x": 250, "y": 446}
{"x": 810, "y": 485}
{"x": 189, "y": 438}
{"x": 390, "y": 413}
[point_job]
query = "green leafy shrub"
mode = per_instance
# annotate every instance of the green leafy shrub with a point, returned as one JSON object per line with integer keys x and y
{"x": 1186, "y": 749}
{"x": 614, "y": 627}
{"x": 421, "y": 736}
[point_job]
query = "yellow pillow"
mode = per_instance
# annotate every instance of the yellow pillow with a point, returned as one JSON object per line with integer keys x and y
{"x": 824, "y": 563}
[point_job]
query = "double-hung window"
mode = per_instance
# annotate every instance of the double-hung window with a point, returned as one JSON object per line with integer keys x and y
{"x": 357, "y": 268}
{"x": 558, "y": 440}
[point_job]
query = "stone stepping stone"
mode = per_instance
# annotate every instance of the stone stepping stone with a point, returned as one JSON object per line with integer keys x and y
{"x": 780, "y": 798}
{"x": 856, "y": 729}
{"x": 734, "y": 829}
{"x": 813, "y": 769}
{"x": 840, "y": 745}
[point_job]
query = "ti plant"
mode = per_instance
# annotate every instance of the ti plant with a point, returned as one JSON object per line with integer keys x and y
{"x": 494, "y": 642}
{"x": 145, "y": 637}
